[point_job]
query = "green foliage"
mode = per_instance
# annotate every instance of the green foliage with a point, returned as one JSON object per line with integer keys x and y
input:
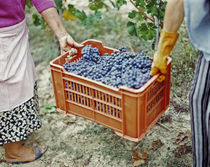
{"x": 92, "y": 20}
{"x": 36, "y": 18}
{"x": 118, "y": 3}
{"x": 141, "y": 21}
{"x": 39, "y": 21}
{"x": 144, "y": 18}
{"x": 80, "y": 14}
{"x": 131, "y": 28}
{"x": 96, "y": 5}
{"x": 28, "y": 3}
{"x": 58, "y": 4}
{"x": 49, "y": 108}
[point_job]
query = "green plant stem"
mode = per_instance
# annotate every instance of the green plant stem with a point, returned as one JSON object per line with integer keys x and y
{"x": 147, "y": 17}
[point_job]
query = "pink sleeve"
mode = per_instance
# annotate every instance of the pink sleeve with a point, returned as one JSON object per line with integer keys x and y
{"x": 42, "y": 5}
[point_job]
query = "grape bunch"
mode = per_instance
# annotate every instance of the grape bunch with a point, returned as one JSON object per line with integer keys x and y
{"x": 119, "y": 68}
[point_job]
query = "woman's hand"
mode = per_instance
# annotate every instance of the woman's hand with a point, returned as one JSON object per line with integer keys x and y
{"x": 67, "y": 44}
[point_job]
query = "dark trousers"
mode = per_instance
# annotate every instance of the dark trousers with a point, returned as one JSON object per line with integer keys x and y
{"x": 200, "y": 113}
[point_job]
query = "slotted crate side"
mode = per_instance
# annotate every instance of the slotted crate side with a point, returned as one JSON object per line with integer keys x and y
{"x": 93, "y": 101}
{"x": 155, "y": 103}
{"x": 57, "y": 79}
{"x": 168, "y": 85}
{"x": 158, "y": 99}
{"x": 135, "y": 107}
{"x": 133, "y": 114}
{"x": 144, "y": 108}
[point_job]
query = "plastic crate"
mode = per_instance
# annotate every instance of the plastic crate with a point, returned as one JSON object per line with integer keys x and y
{"x": 129, "y": 112}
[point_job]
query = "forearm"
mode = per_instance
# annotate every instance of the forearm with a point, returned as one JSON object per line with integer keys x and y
{"x": 53, "y": 20}
{"x": 174, "y": 15}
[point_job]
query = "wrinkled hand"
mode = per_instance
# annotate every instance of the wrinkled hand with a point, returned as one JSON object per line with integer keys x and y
{"x": 67, "y": 44}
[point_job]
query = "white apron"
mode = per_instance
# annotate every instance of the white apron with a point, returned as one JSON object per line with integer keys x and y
{"x": 17, "y": 70}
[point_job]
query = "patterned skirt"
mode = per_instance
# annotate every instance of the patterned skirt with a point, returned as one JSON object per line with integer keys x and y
{"x": 18, "y": 123}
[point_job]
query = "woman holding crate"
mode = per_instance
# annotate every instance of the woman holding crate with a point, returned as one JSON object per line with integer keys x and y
{"x": 19, "y": 110}
{"x": 197, "y": 14}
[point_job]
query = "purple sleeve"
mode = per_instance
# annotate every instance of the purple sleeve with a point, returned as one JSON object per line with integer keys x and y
{"x": 42, "y": 5}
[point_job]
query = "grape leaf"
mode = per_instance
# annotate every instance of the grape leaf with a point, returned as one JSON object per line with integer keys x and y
{"x": 58, "y": 4}
{"x": 132, "y": 14}
{"x": 36, "y": 19}
{"x": 131, "y": 28}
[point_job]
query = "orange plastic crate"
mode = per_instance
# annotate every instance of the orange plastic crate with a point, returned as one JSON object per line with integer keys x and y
{"x": 129, "y": 112}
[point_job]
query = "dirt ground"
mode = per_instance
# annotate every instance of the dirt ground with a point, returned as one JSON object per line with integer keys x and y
{"x": 77, "y": 142}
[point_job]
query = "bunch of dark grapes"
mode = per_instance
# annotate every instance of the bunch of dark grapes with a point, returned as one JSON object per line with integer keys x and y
{"x": 119, "y": 68}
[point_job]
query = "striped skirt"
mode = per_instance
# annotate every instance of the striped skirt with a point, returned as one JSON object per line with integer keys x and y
{"x": 200, "y": 113}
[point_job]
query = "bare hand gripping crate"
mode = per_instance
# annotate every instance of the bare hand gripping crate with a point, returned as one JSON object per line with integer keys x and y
{"x": 129, "y": 112}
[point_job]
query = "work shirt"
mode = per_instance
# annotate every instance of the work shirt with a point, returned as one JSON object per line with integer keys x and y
{"x": 12, "y": 11}
{"x": 197, "y": 14}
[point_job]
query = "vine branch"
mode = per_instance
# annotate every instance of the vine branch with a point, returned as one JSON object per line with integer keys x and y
{"x": 147, "y": 17}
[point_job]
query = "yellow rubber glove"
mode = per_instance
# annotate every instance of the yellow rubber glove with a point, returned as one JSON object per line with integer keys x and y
{"x": 165, "y": 45}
